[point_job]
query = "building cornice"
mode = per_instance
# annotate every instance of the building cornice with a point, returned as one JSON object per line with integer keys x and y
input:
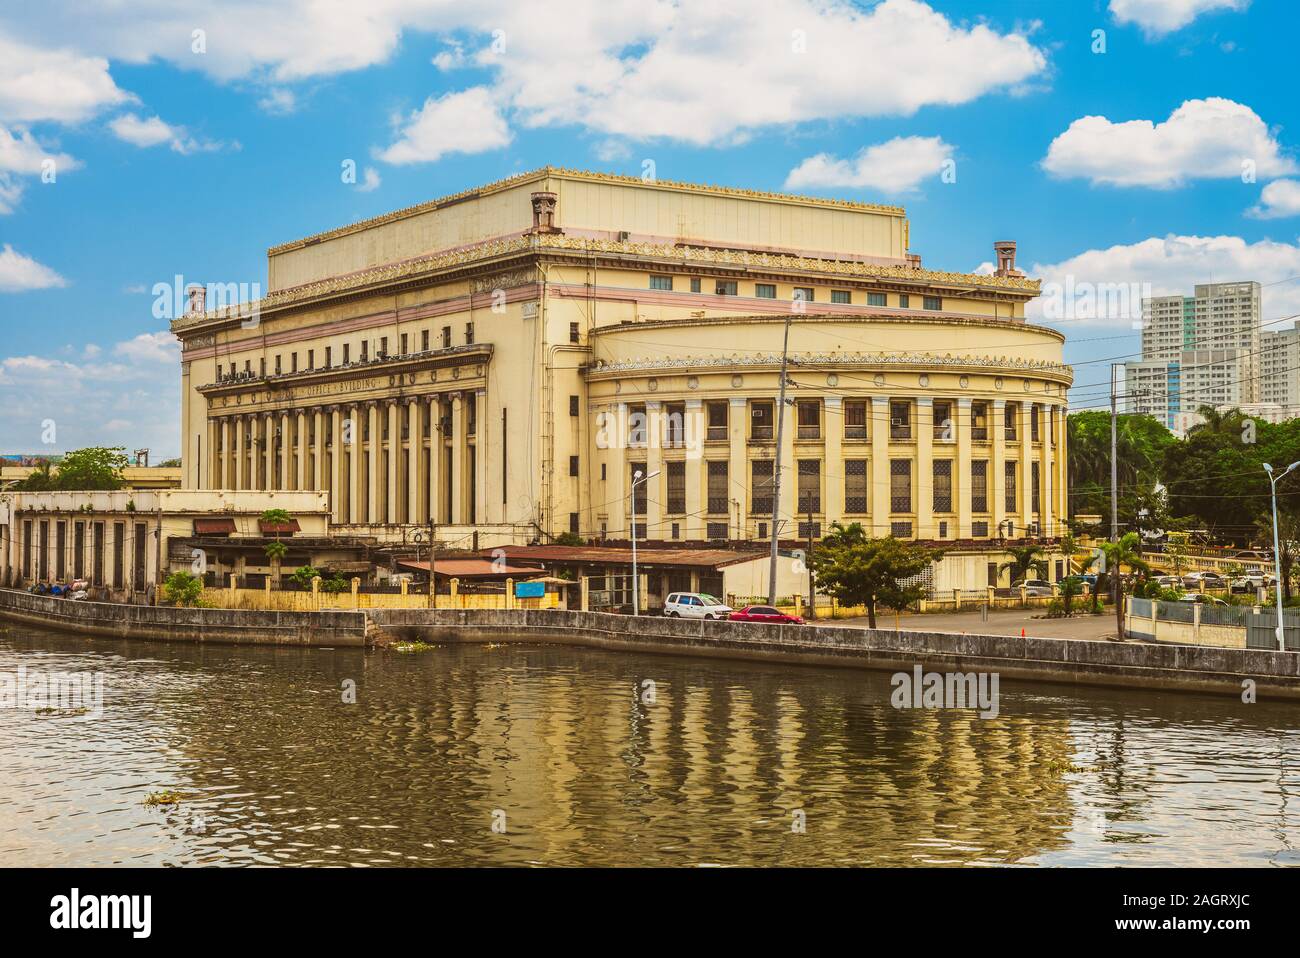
{"x": 936, "y": 317}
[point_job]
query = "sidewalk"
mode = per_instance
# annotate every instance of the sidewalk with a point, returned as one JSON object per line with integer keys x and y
{"x": 1000, "y": 622}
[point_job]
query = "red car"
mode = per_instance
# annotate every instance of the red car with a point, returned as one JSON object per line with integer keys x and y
{"x": 764, "y": 613}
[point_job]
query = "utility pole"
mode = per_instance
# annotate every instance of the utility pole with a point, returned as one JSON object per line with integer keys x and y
{"x": 812, "y": 586}
{"x": 776, "y": 460}
{"x": 1114, "y": 485}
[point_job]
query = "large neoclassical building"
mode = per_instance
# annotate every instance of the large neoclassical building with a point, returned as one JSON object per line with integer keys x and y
{"x": 505, "y": 360}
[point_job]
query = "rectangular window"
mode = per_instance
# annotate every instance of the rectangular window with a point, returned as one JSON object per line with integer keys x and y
{"x": 329, "y": 352}
{"x": 446, "y": 337}
{"x": 1010, "y": 418}
{"x": 841, "y": 296}
{"x": 725, "y": 287}
{"x": 365, "y": 350}
{"x": 802, "y": 294}
{"x": 761, "y": 419}
{"x": 573, "y": 523}
{"x": 293, "y": 362}
{"x": 1033, "y": 422}
{"x": 676, "y": 487}
{"x": 943, "y": 530}
{"x": 900, "y": 485}
{"x": 877, "y": 299}
{"x": 942, "y": 486}
{"x": 405, "y": 340}
{"x": 97, "y": 557}
{"x": 943, "y": 426}
{"x": 979, "y": 420}
{"x": 810, "y": 486}
{"x": 638, "y": 488}
{"x": 1034, "y": 487}
{"x": 469, "y": 334}
{"x": 383, "y": 348}
{"x": 904, "y": 300}
{"x": 573, "y": 465}
{"x": 347, "y": 358}
{"x": 900, "y": 419}
{"x": 810, "y": 418}
{"x": 471, "y": 414}
{"x": 661, "y": 282}
{"x": 765, "y": 290}
{"x": 673, "y": 431}
{"x": 718, "y": 491}
{"x": 695, "y": 284}
{"x": 262, "y": 367}
{"x": 716, "y": 530}
{"x": 979, "y": 530}
{"x": 760, "y": 491}
{"x": 932, "y": 302}
{"x": 79, "y": 550}
{"x": 717, "y": 420}
{"x": 1009, "y": 484}
{"x": 573, "y": 405}
{"x": 900, "y": 530}
{"x": 636, "y": 426}
{"x": 855, "y": 486}
{"x": 979, "y": 485}
{"x": 855, "y": 419}
{"x": 27, "y": 549}
{"x": 810, "y": 530}
{"x": 137, "y": 580}
{"x": 119, "y": 554}
{"x": 424, "y": 340}
{"x": 574, "y": 335}
{"x": 61, "y": 549}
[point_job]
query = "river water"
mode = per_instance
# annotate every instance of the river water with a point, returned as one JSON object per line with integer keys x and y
{"x": 516, "y": 754}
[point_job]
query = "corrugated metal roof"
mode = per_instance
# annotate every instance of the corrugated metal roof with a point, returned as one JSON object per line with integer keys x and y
{"x": 622, "y": 555}
{"x": 472, "y": 568}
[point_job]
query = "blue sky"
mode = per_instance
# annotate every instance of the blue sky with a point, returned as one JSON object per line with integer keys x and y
{"x": 172, "y": 159}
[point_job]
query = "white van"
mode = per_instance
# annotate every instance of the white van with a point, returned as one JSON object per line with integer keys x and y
{"x": 695, "y": 605}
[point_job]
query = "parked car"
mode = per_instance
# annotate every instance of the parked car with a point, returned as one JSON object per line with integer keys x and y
{"x": 1169, "y": 582}
{"x": 1202, "y": 598}
{"x": 1205, "y": 580}
{"x": 1034, "y": 587}
{"x": 1254, "y": 555}
{"x": 764, "y": 613}
{"x": 695, "y": 605}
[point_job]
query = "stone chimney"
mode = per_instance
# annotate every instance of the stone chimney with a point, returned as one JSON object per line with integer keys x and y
{"x": 544, "y": 213}
{"x": 196, "y": 299}
{"x": 1005, "y": 250}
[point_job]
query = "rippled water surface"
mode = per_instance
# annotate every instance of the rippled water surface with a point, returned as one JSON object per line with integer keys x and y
{"x": 557, "y": 745}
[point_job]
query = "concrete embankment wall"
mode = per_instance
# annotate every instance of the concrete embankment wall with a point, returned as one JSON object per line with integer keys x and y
{"x": 1185, "y": 668}
{"x": 170, "y": 624}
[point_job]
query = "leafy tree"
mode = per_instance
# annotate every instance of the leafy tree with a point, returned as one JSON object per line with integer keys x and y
{"x": 1025, "y": 559}
{"x": 304, "y": 574}
{"x": 568, "y": 539}
{"x": 275, "y": 550}
{"x": 1071, "y": 586}
{"x": 1288, "y": 537}
{"x": 859, "y": 570}
{"x": 93, "y": 468}
{"x": 170, "y": 464}
{"x": 182, "y": 588}
{"x": 39, "y": 480}
{"x": 1125, "y": 552}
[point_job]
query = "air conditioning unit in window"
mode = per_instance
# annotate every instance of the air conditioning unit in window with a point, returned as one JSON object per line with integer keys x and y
{"x": 624, "y": 236}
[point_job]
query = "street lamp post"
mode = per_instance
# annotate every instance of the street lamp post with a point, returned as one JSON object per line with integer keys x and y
{"x": 1277, "y": 551}
{"x": 637, "y": 479}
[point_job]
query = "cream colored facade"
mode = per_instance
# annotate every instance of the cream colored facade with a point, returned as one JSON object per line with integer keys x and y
{"x": 499, "y": 362}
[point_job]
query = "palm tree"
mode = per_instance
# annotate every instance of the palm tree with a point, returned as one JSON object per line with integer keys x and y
{"x": 1025, "y": 559}
{"x": 1126, "y": 552}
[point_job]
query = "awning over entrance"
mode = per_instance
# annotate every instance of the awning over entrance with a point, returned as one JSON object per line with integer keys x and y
{"x": 223, "y": 526}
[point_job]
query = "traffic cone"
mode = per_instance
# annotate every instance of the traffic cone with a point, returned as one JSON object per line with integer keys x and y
{"x": 1022, "y": 633}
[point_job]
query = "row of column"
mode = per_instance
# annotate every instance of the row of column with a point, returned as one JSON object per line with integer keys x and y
{"x": 879, "y": 450}
{"x": 340, "y": 448}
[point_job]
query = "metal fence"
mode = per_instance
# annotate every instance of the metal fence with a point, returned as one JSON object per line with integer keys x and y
{"x": 1258, "y": 622}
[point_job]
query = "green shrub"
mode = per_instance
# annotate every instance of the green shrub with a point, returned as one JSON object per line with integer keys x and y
{"x": 182, "y": 589}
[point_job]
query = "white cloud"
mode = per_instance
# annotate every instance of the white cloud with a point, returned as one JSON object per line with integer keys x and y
{"x": 1202, "y": 139}
{"x": 370, "y": 180}
{"x": 702, "y": 71}
{"x": 19, "y": 273}
{"x": 1279, "y": 199}
{"x": 1159, "y": 17}
{"x": 1172, "y": 265}
{"x": 896, "y": 166}
{"x": 20, "y": 154}
{"x": 58, "y": 85}
{"x": 465, "y": 122}
{"x": 11, "y": 191}
{"x": 159, "y": 347}
{"x": 153, "y": 131}
{"x": 278, "y": 102}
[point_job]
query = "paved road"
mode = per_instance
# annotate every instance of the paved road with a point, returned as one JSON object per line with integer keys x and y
{"x": 1001, "y": 622}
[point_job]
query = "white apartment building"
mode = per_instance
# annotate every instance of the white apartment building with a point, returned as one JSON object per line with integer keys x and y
{"x": 1279, "y": 369}
{"x": 1199, "y": 350}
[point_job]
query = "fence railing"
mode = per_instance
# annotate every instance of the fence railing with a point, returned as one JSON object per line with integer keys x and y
{"x": 1196, "y": 623}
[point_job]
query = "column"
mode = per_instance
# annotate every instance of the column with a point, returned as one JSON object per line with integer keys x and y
{"x": 286, "y": 453}
{"x": 226, "y": 477}
{"x": 318, "y": 451}
{"x": 1062, "y": 469}
{"x": 268, "y": 451}
{"x": 961, "y": 483}
{"x": 208, "y": 477}
{"x": 394, "y": 445}
{"x": 338, "y": 465}
{"x": 998, "y": 466}
{"x": 880, "y": 505}
{"x": 457, "y": 477}
{"x": 356, "y": 465}
{"x": 654, "y": 458}
{"x": 788, "y": 507}
{"x": 693, "y": 429}
{"x": 241, "y": 455}
{"x": 738, "y": 478}
{"x": 434, "y": 478}
{"x": 1045, "y": 493}
{"x": 414, "y": 456}
{"x": 1026, "y": 473}
{"x": 304, "y": 448}
{"x": 926, "y": 528}
{"x": 481, "y": 446}
{"x": 371, "y": 494}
